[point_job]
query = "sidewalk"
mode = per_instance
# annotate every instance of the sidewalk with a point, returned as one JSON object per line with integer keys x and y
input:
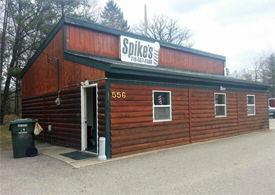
{"x": 56, "y": 151}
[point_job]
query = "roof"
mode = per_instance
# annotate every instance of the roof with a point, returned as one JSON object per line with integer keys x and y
{"x": 115, "y": 66}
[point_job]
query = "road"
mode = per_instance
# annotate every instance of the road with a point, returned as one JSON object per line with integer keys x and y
{"x": 236, "y": 165}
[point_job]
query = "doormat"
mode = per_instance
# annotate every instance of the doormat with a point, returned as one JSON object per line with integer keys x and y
{"x": 78, "y": 155}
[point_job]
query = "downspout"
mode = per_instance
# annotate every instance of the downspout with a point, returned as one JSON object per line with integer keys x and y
{"x": 57, "y": 101}
{"x": 57, "y": 67}
{"x": 56, "y": 63}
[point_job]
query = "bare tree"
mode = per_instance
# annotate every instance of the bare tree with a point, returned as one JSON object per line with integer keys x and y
{"x": 165, "y": 29}
{"x": 247, "y": 74}
{"x": 262, "y": 70}
{"x": 90, "y": 11}
{"x": 256, "y": 71}
{"x": 258, "y": 65}
{"x": 28, "y": 24}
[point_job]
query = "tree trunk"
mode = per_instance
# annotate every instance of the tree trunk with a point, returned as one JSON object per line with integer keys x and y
{"x": 4, "y": 99}
{"x": 17, "y": 97}
{"x": 3, "y": 43}
{"x": 15, "y": 52}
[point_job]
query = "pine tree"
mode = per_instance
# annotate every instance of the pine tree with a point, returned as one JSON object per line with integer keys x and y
{"x": 112, "y": 16}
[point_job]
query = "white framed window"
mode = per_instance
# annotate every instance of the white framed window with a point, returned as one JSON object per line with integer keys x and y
{"x": 251, "y": 105}
{"x": 162, "y": 108}
{"x": 220, "y": 104}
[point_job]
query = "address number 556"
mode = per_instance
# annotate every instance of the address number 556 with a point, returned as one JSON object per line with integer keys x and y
{"x": 118, "y": 95}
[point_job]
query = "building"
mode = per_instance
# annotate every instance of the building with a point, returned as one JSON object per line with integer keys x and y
{"x": 88, "y": 81}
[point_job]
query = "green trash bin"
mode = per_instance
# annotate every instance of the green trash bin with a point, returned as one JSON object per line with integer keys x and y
{"x": 23, "y": 137}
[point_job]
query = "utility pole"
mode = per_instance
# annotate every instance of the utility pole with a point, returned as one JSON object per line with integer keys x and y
{"x": 145, "y": 21}
{"x": 62, "y": 7}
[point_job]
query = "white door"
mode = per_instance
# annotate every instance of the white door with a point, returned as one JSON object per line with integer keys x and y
{"x": 89, "y": 118}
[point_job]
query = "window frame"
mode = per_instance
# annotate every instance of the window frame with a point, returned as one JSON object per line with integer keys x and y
{"x": 250, "y": 105}
{"x": 225, "y": 109}
{"x": 162, "y": 106}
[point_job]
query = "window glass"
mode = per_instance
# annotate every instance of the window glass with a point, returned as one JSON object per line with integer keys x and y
{"x": 251, "y": 105}
{"x": 162, "y": 113}
{"x": 220, "y": 98}
{"x": 161, "y": 98}
{"x": 250, "y": 99}
{"x": 220, "y": 104}
{"x": 162, "y": 106}
{"x": 220, "y": 110}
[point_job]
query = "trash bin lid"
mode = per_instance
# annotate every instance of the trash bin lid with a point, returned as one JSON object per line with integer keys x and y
{"x": 22, "y": 126}
{"x": 19, "y": 121}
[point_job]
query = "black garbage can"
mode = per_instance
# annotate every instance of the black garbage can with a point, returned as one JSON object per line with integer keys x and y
{"x": 23, "y": 137}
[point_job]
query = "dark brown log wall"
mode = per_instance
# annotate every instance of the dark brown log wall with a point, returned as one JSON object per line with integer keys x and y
{"x": 98, "y": 43}
{"x": 65, "y": 118}
{"x": 41, "y": 77}
{"x": 101, "y": 109}
{"x": 193, "y": 114}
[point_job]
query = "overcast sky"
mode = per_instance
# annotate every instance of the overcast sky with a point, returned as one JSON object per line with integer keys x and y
{"x": 240, "y": 30}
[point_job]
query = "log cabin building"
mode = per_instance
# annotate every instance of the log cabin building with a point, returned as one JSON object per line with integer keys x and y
{"x": 88, "y": 81}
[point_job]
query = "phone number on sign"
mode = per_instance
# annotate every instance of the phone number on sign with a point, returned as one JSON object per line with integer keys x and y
{"x": 141, "y": 60}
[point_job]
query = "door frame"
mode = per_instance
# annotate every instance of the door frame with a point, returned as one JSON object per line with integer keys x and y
{"x": 84, "y": 143}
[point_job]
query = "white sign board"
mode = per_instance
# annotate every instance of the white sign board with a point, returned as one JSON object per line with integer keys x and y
{"x": 137, "y": 51}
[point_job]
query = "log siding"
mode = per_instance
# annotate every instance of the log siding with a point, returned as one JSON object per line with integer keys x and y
{"x": 193, "y": 118}
{"x": 65, "y": 118}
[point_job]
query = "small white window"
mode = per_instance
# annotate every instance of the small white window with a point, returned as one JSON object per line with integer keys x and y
{"x": 162, "y": 106}
{"x": 220, "y": 104}
{"x": 250, "y": 104}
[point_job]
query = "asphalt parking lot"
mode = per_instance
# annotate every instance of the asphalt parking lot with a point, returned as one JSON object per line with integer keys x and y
{"x": 237, "y": 165}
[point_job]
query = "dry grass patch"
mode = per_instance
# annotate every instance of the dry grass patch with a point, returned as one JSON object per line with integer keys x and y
{"x": 5, "y": 134}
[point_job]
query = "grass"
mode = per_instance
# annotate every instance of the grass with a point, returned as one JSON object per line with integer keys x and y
{"x": 5, "y": 134}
